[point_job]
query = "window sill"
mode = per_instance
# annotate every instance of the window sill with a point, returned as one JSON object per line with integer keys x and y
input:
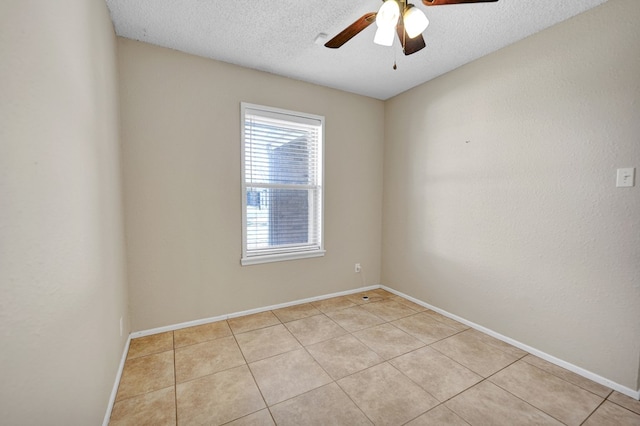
{"x": 254, "y": 260}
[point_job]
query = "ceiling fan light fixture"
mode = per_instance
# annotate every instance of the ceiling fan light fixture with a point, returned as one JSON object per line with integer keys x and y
{"x": 388, "y": 14}
{"x": 384, "y": 36}
{"x": 415, "y": 21}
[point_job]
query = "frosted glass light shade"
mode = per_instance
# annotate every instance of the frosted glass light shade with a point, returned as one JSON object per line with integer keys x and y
{"x": 384, "y": 36}
{"x": 415, "y": 21}
{"x": 388, "y": 14}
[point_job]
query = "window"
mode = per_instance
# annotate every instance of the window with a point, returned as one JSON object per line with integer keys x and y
{"x": 282, "y": 192}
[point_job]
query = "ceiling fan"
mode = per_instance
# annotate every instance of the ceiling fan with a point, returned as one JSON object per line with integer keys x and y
{"x": 395, "y": 16}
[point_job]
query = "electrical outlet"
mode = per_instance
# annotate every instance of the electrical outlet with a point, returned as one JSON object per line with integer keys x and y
{"x": 357, "y": 268}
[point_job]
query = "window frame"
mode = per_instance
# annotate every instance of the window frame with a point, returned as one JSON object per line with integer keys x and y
{"x": 294, "y": 251}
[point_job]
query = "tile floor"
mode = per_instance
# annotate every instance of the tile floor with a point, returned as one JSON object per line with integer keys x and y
{"x": 346, "y": 361}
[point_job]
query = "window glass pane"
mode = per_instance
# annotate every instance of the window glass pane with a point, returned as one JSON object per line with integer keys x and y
{"x": 289, "y": 163}
{"x": 282, "y": 183}
{"x": 277, "y": 217}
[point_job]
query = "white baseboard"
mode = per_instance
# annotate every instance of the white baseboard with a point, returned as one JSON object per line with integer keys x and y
{"x": 561, "y": 363}
{"x": 114, "y": 391}
{"x": 248, "y": 312}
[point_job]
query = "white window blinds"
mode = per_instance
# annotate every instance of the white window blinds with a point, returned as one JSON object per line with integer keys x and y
{"x": 282, "y": 184}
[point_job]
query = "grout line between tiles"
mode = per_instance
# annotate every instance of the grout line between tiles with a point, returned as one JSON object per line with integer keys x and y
{"x": 537, "y": 408}
{"x": 440, "y": 402}
{"x": 252, "y": 376}
{"x": 203, "y": 341}
{"x": 527, "y": 402}
{"x": 621, "y": 406}
{"x": 351, "y": 399}
{"x": 495, "y": 384}
{"x": 563, "y": 379}
{"x": 484, "y": 379}
{"x": 610, "y": 391}
{"x": 593, "y": 412}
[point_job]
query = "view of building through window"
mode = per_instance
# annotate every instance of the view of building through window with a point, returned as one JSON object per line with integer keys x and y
{"x": 278, "y": 216}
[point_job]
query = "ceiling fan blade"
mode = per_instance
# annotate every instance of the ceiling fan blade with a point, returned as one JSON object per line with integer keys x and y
{"x": 351, "y": 31}
{"x": 443, "y": 2}
{"x": 412, "y": 45}
{"x": 409, "y": 45}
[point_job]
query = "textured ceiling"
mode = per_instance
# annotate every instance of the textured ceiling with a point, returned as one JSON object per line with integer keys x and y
{"x": 278, "y": 36}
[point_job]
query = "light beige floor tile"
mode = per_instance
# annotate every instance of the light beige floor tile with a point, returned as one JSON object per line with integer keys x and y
{"x": 146, "y": 374}
{"x": 218, "y": 398}
{"x": 266, "y": 342}
{"x": 314, "y": 329}
{"x": 438, "y": 416}
{"x": 260, "y": 418}
{"x": 328, "y": 405}
{"x": 625, "y": 401}
{"x": 425, "y": 328}
{"x": 333, "y": 304}
{"x": 496, "y": 343}
{"x": 386, "y": 395}
{"x": 388, "y": 341}
{"x": 252, "y": 322}
{"x": 437, "y": 374}
{"x": 564, "y": 401}
{"x": 201, "y": 333}
{"x": 473, "y": 354}
{"x": 148, "y": 345}
{"x": 487, "y": 404}
{"x": 297, "y": 386}
{"x": 609, "y": 414}
{"x": 153, "y": 408}
{"x": 408, "y": 303}
{"x": 287, "y": 375}
{"x": 381, "y": 293}
{"x": 343, "y": 355}
{"x": 446, "y": 320}
{"x": 354, "y": 319}
{"x": 207, "y": 358}
{"x": 569, "y": 376}
{"x": 296, "y": 312}
{"x": 389, "y": 310}
{"x": 358, "y": 298}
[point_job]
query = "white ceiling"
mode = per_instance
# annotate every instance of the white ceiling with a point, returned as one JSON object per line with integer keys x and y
{"x": 277, "y": 36}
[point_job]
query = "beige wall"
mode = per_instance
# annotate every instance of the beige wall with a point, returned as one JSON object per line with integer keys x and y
{"x": 181, "y": 142}
{"x": 522, "y": 229}
{"x": 62, "y": 279}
